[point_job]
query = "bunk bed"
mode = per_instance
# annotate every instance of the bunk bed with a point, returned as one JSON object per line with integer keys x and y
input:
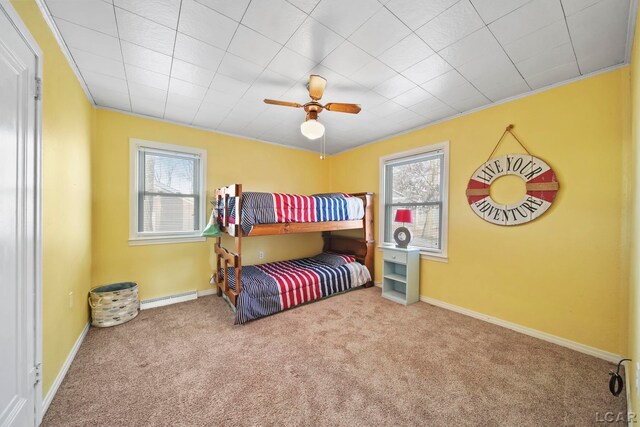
{"x": 257, "y": 291}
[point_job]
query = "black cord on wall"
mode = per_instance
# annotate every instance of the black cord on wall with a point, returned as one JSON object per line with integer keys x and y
{"x": 616, "y": 383}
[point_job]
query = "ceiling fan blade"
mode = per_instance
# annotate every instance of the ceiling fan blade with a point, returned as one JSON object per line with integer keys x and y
{"x": 316, "y": 86}
{"x": 343, "y": 108}
{"x": 283, "y": 103}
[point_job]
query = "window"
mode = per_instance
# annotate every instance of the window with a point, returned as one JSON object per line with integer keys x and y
{"x": 168, "y": 193}
{"x": 417, "y": 180}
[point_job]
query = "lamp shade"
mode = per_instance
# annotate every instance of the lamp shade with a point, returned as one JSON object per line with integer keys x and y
{"x": 312, "y": 129}
{"x": 403, "y": 215}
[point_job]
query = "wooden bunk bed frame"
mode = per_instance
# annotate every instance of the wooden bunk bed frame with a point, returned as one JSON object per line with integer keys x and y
{"x": 361, "y": 248}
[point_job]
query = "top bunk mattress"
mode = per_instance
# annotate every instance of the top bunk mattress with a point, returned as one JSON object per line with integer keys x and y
{"x": 273, "y": 208}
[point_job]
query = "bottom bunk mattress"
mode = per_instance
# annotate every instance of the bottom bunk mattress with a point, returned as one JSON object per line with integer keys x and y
{"x": 277, "y": 286}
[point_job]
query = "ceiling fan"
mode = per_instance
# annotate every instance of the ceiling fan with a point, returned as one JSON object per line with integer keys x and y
{"x": 311, "y": 127}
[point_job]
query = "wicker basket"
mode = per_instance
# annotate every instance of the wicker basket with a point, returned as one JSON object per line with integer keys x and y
{"x": 113, "y": 304}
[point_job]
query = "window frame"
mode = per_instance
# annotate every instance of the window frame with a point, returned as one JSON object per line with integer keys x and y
{"x": 436, "y": 255}
{"x": 146, "y": 238}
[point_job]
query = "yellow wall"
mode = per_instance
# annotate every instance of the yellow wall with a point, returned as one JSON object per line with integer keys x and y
{"x": 561, "y": 274}
{"x": 66, "y": 211}
{"x": 634, "y": 191}
{"x": 162, "y": 270}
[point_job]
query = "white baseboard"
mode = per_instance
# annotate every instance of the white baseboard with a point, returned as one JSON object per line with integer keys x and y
{"x": 582, "y": 348}
{"x": 63, "y": 371}
{"x": 168, "y": 300}
{"x": 174, "y": 299}
{"x": 207, "y": 292}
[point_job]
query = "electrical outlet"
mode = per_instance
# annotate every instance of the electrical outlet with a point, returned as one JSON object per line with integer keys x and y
{"x": 71, "y": 299}
{"x": 261, "y": 254}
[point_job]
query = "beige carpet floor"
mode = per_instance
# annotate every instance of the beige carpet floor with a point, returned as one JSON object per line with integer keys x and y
{"x": 353, "y": 360}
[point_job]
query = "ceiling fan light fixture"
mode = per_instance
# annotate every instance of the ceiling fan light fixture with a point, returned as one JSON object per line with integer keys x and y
{"x": 312, "y": 129}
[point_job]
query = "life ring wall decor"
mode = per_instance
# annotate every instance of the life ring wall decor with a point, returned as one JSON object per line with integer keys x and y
{"x": 541, "y": 188}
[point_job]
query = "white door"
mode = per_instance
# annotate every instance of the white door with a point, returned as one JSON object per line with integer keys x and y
{"x": 18, "y": 180}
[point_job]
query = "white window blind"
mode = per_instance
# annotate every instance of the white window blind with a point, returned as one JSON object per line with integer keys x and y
{"x": 169, "y": 191}
{"x": 417, "y": 181}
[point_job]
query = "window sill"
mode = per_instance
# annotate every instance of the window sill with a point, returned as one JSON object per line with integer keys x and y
{"x": 141, "y": 241}
{"x": 430, "y": 256}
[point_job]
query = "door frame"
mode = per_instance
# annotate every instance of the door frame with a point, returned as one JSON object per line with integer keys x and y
{"x": 34, "y": 161}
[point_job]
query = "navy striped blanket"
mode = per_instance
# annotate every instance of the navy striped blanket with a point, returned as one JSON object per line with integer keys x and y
{"x": 271, "y": 208}
{"x": 277, "y": 286}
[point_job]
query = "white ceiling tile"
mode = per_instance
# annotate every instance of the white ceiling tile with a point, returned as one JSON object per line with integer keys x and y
{"x": 440, "y": 113}
{"x": 453, "y": 89}
{"x": 407, "y": 52}
{"x": 346, "y": 59}
{"x": 299, "y": 93}
{"x": 253, "y": 46}
{"x": 147, "y": 107}
{"x": 412, "y": 97}
{"x": 490, "y": 10}
{"x": 305, "y": 5}
{"x": 429, "y": 106}
{"x": 453, "y": 24}
{"x": 404, "y": 115}
{"x": 146, "y": 58}
{"x": 221, "y": 99}
{"x": 387, "y": 108}
{"x": 163, "y": 12}
{"x": 503, "y": 90}
{"x": 379, "y": 33}
{"x": 538, "y": 42}
{"x": 205, "y": 24}
{"x": 268, "y": 85}
{"x": 181, "y": 108}
{"x": 554, "y": 75}
{"x": 344, "y": 17}
{"x": 93, "y": 14}
{"x": 145, "y": 33}
{"x": 89, "y": 40}
{"x": 547, "y": 60}
{"x": 210, "y": 117}
{"x": 89, "y": 62}
{"x": 142, "y": 91}
{"x": 394, "y": 86}
{"x": 197, "y": 52}
{"x": 469, "y": 103}
{"x": 606, "y": 46}
{"x": 233, "y": 9}
{"x": 147, "y": 77}
{"x": 186, "y": 89}
{"x": 416, "y": 13}
{"x": 476, "y": 45}
{"x": 574, "y": 6}
{"x": 275, "y": 19}
{"x": 372, "y": 74}
{"x": 369, "y": 100}
{"x": 223, "y": 87}
{"x": 102, "y": 81}
{"x": 427, "y": 69}
{"x": 239, "y": 68}
{"x": 105, "y": 97}
{"x": 487, "y": 71}
{"x": 527, "y": 19}
{"x": 313, "y": 40}
{"x": 226, "y": 84}
{"x": 191, "y": 73}
{"x": 291, "y": 64}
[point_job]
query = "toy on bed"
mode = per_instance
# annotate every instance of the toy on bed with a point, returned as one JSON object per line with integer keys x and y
{"x": 257, "y": 291}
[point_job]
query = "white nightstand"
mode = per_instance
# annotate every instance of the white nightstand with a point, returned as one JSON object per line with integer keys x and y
{"x": 401, "y": 274}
